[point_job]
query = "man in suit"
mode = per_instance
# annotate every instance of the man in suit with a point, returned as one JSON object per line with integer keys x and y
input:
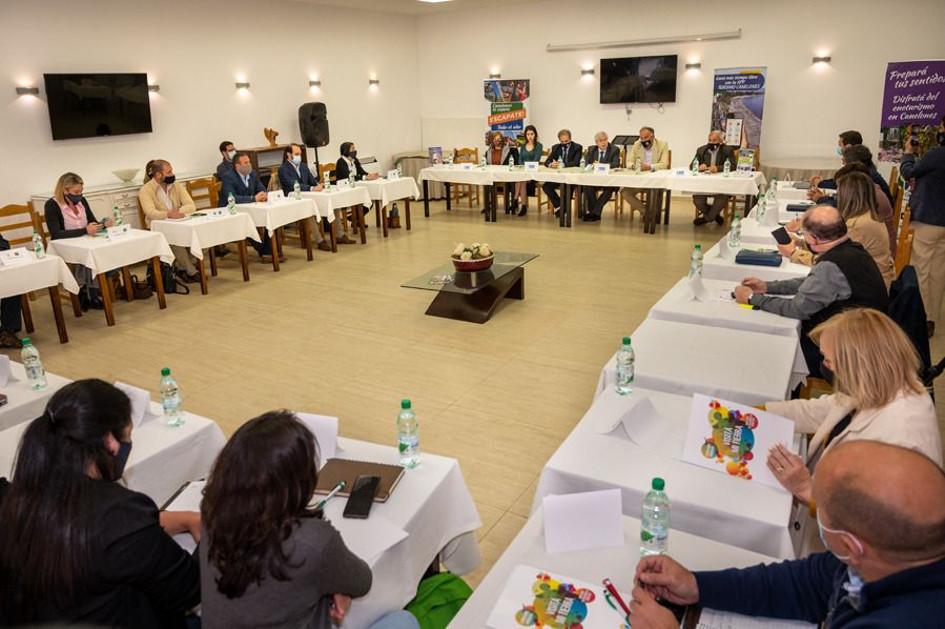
{"x": 245, "y": 187}
{"x": 228, "y": 152}
{"x": 294, "y": 170}
{"x": 651, "y": 154}
{"x": 10, "y": 320}
{"x": 564, "y": 154}
{"x": 596, "y": 197}
{"x": 712, "y": 157}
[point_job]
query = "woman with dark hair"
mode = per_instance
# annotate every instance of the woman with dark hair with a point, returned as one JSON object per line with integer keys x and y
{"x": 76, "y": 546}
{"x": 348, "y": 164}
{"x": 268, "y": 558}
{"x": 528, "y": 152}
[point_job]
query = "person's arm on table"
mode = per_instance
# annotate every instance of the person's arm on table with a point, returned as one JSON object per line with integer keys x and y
{"x": 825, "y": 285}
{"x": 55, "y": 223}
{"x": 348, "y": 576}
{"x": 187, "y": 205}
{"x": 807, "y": 415}
{"x": 174, "y": 522}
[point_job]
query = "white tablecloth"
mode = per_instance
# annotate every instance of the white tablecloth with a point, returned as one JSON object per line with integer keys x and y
{"x": 101, "y": 254}
{"x": 745, "y": 514}
{"x": 23, "y": 403}
{"x": 275, "y": 214}
{"x": 704, "y": 183}
{"x": 592, "y": 566}
{"x": 754, "y": 233}
{"x": 800, "y": 168}
{"x": 339, "y": 197}
{"x": 454, "y": 174}
{"x": 202, "y": 232}
{"x": 389, "y": 190}
{"x": 682, "y": 358}
{"x": 35, "y": 274}
{"x": 718, "y": 268}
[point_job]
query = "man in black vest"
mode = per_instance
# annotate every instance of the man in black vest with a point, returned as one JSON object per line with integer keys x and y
{"x": 712, "y": 158}
{"x": 844, "y": 276}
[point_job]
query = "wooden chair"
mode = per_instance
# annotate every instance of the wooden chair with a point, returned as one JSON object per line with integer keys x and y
{"x": 547, "y": 202}
{"x": 894, "y": 181}
{"x": 39, "y": 224}
{"x": 899, "y": 213}
{"x": 904, "y": 250}
{"x": 205, "y": 192}
{"x": 465, "y": 156}
{"x": 19, "y": 224}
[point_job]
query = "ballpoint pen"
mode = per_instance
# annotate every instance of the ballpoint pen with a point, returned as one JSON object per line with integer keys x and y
{"x": 321, "y": 503}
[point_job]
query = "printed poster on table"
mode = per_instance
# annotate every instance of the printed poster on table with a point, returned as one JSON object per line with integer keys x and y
{"x": 734, "y": 438}
{"x": 506, "y": 107}
{"x": 739, "y": 94}
{"x": 913, "y": 105}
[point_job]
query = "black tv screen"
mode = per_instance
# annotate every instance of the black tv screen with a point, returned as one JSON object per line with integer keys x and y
{"x": 93, "y": 105}
{"x": 638, "y": 80}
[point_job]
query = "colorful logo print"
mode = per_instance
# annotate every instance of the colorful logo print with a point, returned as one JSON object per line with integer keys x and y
{"x": 732, "y": 439}
{"x": 557, "y": 605}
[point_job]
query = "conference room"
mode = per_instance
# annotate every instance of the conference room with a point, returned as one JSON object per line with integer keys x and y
{"x": 267, "y": 357}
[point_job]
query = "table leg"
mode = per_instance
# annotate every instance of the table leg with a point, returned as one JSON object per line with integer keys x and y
{"x": 202, "y": 270}
{"x": 156, "y": 268}
{"x": 274, "y": 249}
{"x": 563, "y": 191}
{"x": 27, "y": 313}
{"x": 449, "y": 201}
{"x": 653, "y": 201}
{"x": 377, "y": 213}
{"x": 359, "y": 217}
{"x": 508, "y": 196}
{"x": 244, "y": 259}
{"x": 382, "y": 212}
{"x": 494, "y": 193}
{"x": 126, "y": 282}
{"x": 57, "y": 313}
{"x": 305, "y": 232}
{"x": 103, "y": 285}
{"x": 407, "y": 210}
{"x": 213, "y": 262}
{"x": 426, "y": 199}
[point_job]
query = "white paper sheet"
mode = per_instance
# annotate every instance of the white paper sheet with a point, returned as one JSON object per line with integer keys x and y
{"x": 738, "y": 441}
{"x": 188, "y": 500}
{"x": 712, "y": 619}
{"x": 583, "y": 521}
{"x": 6, "y": 375}
{"x": 370, "y": 537}
{"x": 325, "y": 429}
{"x": 140, "y": 403}
{"x": 643, "y": 423}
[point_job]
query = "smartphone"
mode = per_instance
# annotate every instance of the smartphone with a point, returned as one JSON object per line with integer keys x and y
{"x": 781, "y": 235}
{"x": 362, "y": 497}
{"x": 3, "y": 399}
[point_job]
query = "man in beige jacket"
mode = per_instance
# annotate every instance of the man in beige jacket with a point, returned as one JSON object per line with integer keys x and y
{"x": 652, "y": 154}
{"x": 162, "y": 197}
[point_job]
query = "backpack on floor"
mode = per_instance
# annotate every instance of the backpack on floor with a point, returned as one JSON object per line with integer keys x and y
{"x": 438, "y": 599}
{"x": 168, "y": 280}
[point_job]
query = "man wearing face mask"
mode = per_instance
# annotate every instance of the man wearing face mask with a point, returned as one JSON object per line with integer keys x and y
{"x": 843, "y": 275}
{"x": 651, "y": 154}
{"x": 564, "y": 154}
{"x": 228, "y": 152}
{"x": 293, "y": 171}
{"x": 928, "y": 221}
{"x": 711, "y": 159}
{"x": 162, "y": 197}
{"x": 245, "y": 187}
{"x": 881, "y": 515}
{"x": 349, "y": 164}
{"x": 844, "y": 141}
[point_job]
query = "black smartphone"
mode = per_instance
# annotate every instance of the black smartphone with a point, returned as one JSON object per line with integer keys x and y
{"x": 3, "y": 399}
{"x": 781, "y": 235}
{"x": 362, "y": 497}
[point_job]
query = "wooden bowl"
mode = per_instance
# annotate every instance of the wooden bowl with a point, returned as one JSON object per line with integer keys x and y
{"x": 473, "y": 265}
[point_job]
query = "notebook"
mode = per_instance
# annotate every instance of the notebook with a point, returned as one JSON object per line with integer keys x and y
{"x": 348, "y": 470}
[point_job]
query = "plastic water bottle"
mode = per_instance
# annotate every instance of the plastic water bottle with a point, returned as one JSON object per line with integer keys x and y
{"x": 35, "y": 373}
{"x": 654, "y": 523}
{"x": 170, "y": 399}
{"x": 637, "y": 166}
{"x": 726, "y": 168}
{"x": 116, "y": 215}
{"x": 735, "y": 233}
{"x": 695, "y": 261}
{"x": 38, "y": 247}
{"x": 482, "y": 162}
{"x": 400, "y": 172}
{"x": 296, "y": 191}
{"x": 231, "y": 203}
{"x": 761, "y": 207}
{"x": 408, "y": 436}
{"x": 625, "y": 367}
{"x": 583, "y": 163}
{"x": 695, "y": 166}
{"x": 326, "y": 179}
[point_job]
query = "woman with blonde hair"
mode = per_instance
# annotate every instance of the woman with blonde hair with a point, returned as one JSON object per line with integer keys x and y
{"x": 878, "y": 396}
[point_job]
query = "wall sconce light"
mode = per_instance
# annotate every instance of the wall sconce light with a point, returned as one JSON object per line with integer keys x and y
{"x": 587, "y": 72}
{"x": 242, "y": 85}
{"x": 374, "y": 82}
{"x": 693, "y": 66}
{"x": 154, "y": 88}
{"x": 821, "y": 59}
{"x": 23, "y": 91}
{"x": 495, "y": 75}
{"x": 315, "y": 83}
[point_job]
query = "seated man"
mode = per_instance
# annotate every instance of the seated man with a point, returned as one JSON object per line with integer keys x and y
{"x": 852, "y": 154}
{"x": 595, "y": 198}
{"x": 712, "y": 158}
{"x": 881, "y": 516}
{"x": 228, "y": 152}
{"x": 564, "y": 154}
{"x": 161, "y": 197}
{"x": 245, "y": 187}
{"x": 293, "y": 170}
{"x": 844, "y": 275}
{"x": 651, "y": 154}
{"x": 10, "y": 320}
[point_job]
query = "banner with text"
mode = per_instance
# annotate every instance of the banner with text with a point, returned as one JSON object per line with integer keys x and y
{"x": 738, "y": 105}
{"x": 913, "y": 106}
{"x": 506, "y": 107}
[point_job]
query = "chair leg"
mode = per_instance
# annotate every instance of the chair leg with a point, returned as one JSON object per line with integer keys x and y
{"x": 27, "y": 313}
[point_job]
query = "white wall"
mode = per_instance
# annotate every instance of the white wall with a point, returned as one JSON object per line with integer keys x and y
{"x": 194, "y": 51}
{"x": 805, "y": 107}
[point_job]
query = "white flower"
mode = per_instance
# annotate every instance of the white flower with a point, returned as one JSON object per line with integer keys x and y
{"x": 466, "y": 255}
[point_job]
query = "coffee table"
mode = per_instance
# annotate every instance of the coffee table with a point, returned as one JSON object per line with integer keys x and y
{"x": 474, "y": 297}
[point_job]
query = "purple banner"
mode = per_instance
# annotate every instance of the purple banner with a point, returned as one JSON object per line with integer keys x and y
{"x": 913, "y": 106}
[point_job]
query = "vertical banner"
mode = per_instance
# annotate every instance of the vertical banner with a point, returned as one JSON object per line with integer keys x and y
{"x": 913, "y": 106}
{"x": 506, "y": 107}
{"x": 738, "y": 100}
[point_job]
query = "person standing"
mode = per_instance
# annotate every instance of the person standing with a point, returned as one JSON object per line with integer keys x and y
{"x": 528, "y": 152}
{"x": 651, "y": 154}
{"x": 596, "y": 197}
{"x": 564, "y": 154}
{"x": 712, "y": 158}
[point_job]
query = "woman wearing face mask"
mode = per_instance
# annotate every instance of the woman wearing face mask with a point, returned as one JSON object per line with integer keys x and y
{"x": 78, "y": 547}
{"x": 348, "y": 164}
{"x": 69, "y": 215}
{"x": 878, "y": 396}
{"x": 529, "y": 152}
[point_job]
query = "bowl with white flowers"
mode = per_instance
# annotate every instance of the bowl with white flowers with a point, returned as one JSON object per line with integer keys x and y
{"x": 474, "y": 257}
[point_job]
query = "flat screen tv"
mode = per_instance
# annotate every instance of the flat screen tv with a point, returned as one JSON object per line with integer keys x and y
{"x": 94, "y": 105}
{"x": 638, "y": 80}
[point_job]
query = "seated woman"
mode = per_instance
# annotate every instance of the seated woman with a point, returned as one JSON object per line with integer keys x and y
{"x": 529, "y": 152}
{"x": 78, "y": 547}
{"x": 69, "y": 215}
{"x": 501, "y": 153}
{"x": 268, "y": 558}
{"x": 878, "y": 396}
{"x": 857, "y": 202}
{"x": 348, "y": 166}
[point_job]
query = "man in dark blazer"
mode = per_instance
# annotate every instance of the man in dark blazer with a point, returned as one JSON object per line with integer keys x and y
{"x": 596, "y": 197}
{"x": 564, "y": 154}
{"x": 712, "y": 158}
{"x": 293, "y": 170}
{"x": 245, "y": 187}
{"x": 10, "y": 321}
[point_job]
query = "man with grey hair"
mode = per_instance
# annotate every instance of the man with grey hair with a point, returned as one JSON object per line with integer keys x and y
{"x": 650, "y": 154}
{"x": 596, "y": 197}
{"x": 712, "y": 158}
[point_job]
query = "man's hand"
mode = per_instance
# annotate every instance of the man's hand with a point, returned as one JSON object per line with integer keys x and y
{"x": 743, "y": 294}
{"x": 794, "y": 226}
{"x": 261, "y": 196}
{"x": 791, "y": 472}
{"x": 702, "y": 168}
{"x": 646, "y": 167}
{"x": 757, "y": 286}
{"x": 646, "y": 613}
{"x": 372, "y": 176}
{"x": 554, "y": 164}
{"x": 317, "y": 188}
{"x": 787, "y": 250}
{"x": 907, "y": 147}
{"x": 713, "y": 169}
{"x": 339, "y": 607}
{"x": 175, "y": 214}
{"x": 665, "y": 578}
{"x": 92, "y": 228}
{"x": 815, "y": 181}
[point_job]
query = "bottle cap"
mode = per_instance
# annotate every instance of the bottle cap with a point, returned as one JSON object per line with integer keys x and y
{"x": 26, "y": 341}
{"x": 165, "y": 371}
{"x": 405, "y": 404}
{"x": 659, "y": 484}
{"x": 626, "y": 340}
{"x": 698, "y": 246}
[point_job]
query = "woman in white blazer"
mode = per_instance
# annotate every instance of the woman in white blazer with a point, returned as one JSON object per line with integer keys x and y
{"x": 878, "y": 397}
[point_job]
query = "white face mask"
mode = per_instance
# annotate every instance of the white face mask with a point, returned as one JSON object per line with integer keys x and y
{"x": 839, "y": 152}
{"x": 296, "y": 159}
{"x": 821, "y": 529}
{"x": 231, "y": 155}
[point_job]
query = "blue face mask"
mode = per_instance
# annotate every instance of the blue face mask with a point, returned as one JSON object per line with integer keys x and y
{"x": 839, "y": 152}
{"x": 296, "y": 159}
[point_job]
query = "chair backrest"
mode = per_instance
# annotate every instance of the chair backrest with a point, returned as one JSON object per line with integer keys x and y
{"x": 908, "y": 311}
{"x": 900, "y": 213}
{"x": 466, "y": 155}
{"x": 669, "y": 152}
{"x": 205, "y": 192}
{"x": 17, "y": 223}
{"x": 904, "y": 250}
{"x": 894, "y": 181}
{"x": 544, "y": 154}
{"x": 325, "y": 168}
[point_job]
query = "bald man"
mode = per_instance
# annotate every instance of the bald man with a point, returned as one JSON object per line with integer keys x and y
{"x": 711, "y": 158}
{"x": 596, "y": 197}
{"x": 844, "y": 276}
{"x": 881, "y": 513}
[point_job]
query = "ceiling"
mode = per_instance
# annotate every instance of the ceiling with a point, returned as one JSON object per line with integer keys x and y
{"x": 415, "y": 7}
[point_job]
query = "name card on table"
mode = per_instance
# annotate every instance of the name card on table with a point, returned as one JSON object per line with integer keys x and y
{"x": 12, "y": 257}
{"x": 466, "y": 166}
{"x": 217, "y": 212}
{"x": 118, "y": 231}
{"x": 325, "y": 429}
{"x": 680, "y": 172}
{"x": 140, "y": 403}
{"x": 393, "y": 174}
{"x": 531, "y": 167}
{"x": 276, "y": 195}
{"x": 593, "y": 519}
{"x": 6, "y": 375}
{"x": 601, "y": 169}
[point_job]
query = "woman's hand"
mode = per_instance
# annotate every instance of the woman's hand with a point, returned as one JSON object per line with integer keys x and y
{"x": 92, "y": 228}
{"x": 815, "y": 194}
{"x": 109, "y": 222}
{"x": 339, "y": 607}
{"x": 794, "y": 226}
{"x": 174, "y": 522}
{"x": 791, "y": 472}
{"x": 787, "y": 250}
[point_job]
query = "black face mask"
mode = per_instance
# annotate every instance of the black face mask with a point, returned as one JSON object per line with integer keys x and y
{"x": 74, "y": 198}
{"x": 714, "y": 146}
{"x": 121, "y": 458}
{"x": 169, "y": 179}
{"x": 353, "y": 154}
{"x": 647, "y": 143}
{"x": 941, "y": 138}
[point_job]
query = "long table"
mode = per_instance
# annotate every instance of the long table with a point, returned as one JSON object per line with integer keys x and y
{"x": 23, "y": 402}
{"x": 34, "y": 273}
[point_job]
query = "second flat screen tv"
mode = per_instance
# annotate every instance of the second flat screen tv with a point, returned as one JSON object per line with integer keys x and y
{"x": 638, "y": 80}
{"x": 93, "y": 105}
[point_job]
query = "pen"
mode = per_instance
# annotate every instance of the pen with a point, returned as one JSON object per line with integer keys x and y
{"x": 321, "y": 503}
{"x": 613, "y": 592}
